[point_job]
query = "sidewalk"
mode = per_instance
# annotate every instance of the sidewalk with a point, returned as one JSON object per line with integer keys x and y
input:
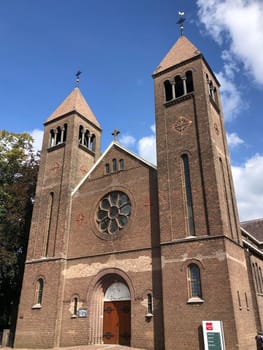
{"x": 87, "y": 347}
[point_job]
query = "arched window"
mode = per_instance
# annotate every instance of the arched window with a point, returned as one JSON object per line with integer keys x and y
{"x": 188, "y": 194}
{"x": 52, "y": 140}
{"x": 86, "y": 141}
{"x": 39, "y": 292}
{"x": 168, "y": 90}
{"x": 179, "y": 86}
{"x": 92, "y": 142}
{"x": 75, "y": 306}
{"x": 81, "y": 134}
{"x": 48, "y": 222}
{"x": 64, "y": 132}
{"x": 254, "y": 269}
{"x": 117, "y": 291}
{"x": 194, "y": 281}
{"x": 59, "y": 134}
{"x": 114, "y": 164}
{"x": 121, "y": 163}
{"x": 189, "y": 81}
{"x": 107, "y": 168}
{"x": 149, "y": 304}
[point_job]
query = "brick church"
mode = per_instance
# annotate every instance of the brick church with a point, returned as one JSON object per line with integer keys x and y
{"x": 124, "y": 252}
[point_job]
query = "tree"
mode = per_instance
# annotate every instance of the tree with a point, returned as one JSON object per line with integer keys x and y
{"x": 18, "y": 174}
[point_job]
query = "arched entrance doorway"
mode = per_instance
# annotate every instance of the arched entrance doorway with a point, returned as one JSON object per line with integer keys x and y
{"x": 109, "y": 296}
{"x": 117, "y": 314}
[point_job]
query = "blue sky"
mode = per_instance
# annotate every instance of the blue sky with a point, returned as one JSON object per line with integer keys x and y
{"x": 117, "y": 44}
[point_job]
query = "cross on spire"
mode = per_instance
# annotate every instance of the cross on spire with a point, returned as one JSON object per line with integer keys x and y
{"x": 181, "y": 22}
{"x": 115, "y": 134}
{"x": 77, "y": 77}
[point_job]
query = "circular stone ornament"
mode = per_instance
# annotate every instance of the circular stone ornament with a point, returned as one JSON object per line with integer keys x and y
{"x": 113, "y": 212}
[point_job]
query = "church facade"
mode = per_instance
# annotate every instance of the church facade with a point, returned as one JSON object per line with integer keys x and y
{"x": 124, "y": 252}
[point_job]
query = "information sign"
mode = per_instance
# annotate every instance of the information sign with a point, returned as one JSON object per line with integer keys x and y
{"x": 82, "y": 312}
{"x": 213, "y": 335}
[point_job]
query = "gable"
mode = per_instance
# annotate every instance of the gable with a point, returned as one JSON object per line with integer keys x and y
{"x": 114, "y": 160}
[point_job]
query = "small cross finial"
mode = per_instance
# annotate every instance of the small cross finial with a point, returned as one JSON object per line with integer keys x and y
{"x": 115, "y": 134}
{"x": 77, "y": 77}
{"x": 181, "y": 22}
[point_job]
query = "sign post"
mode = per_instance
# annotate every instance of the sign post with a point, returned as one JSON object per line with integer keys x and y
{"x": 213, "y": 335}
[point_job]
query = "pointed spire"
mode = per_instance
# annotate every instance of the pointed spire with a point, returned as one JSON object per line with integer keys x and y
{"x": 74, "y": 102}
{"x": 182, "y": 50}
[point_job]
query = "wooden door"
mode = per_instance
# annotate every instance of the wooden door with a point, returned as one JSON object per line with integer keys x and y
{"x": 117, "y": 322}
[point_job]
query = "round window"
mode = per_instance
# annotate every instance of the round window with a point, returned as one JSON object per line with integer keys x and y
{"x": 113, "y": 212}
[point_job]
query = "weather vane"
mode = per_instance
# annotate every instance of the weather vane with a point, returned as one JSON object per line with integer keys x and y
{"x": 115, "y": 134}
{"x": 77, "y": 77}
{"x": 181, "y": 22}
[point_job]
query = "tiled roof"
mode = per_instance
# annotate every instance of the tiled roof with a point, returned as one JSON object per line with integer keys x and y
{"x": 74, "y": 102}
{"x": 182, "y": 50}
{"x": 254, "y": 227}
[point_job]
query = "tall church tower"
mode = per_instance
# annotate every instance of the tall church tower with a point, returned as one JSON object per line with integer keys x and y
{"x": 195, "y": 182}
{"x": 199, "y": 233}
{"x": 71, "y": 145}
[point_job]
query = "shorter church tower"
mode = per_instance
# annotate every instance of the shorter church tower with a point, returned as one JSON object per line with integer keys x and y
{"x": 71, "y": 145}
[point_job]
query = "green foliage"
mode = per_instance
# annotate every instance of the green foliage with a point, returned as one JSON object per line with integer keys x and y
{"x": 18, "y": 173}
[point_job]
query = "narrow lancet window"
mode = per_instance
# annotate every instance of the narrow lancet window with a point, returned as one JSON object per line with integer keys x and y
{"x": 52, "y": 140}
{"x": 189, "y": 82}
{"x": 121, "y": 163}
{"x": 194, "y": 281}
{"x": 75, "y": 306}
{"x": 114, "y": 164}
{"x": 168, "y": 91}
{"x": 107, "y": 168}
{"x": 179, "y": 86}
{"x": 188, "y": 195}
{"x": 59, "y": 134}
{"x": 39, "y": 291}
{"x": 64, "y": 132}
{"x": 92, "y": 142}
{"x": 48, "y": 223}
{"x": 149, "y": 304}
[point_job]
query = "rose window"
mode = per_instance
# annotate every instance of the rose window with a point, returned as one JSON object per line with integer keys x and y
{"x": 113, "y": 212}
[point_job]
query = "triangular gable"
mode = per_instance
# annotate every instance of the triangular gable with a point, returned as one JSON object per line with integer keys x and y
{"x": 112, "y": 144}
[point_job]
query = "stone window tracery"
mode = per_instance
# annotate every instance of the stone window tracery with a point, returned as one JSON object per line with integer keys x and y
{"x": 113, "y": 212}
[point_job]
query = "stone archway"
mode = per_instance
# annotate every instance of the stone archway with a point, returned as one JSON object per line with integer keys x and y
{"x": 104, "y": 290}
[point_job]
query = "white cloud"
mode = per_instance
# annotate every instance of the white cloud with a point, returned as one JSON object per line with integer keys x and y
{"x": 231, "y": 98}
{"x": 237, "y": 23}
{"x": 147, "y": 146}
{"x": 38, "y": 138}
{"x": 233, "y": 140}
{"x": 127, "y": 140}
{"x": 249, "y": 188}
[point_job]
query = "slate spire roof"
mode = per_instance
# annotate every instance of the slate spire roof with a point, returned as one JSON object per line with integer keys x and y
{"x": 182, "y": 50}
{"x": 75, "y": 102}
